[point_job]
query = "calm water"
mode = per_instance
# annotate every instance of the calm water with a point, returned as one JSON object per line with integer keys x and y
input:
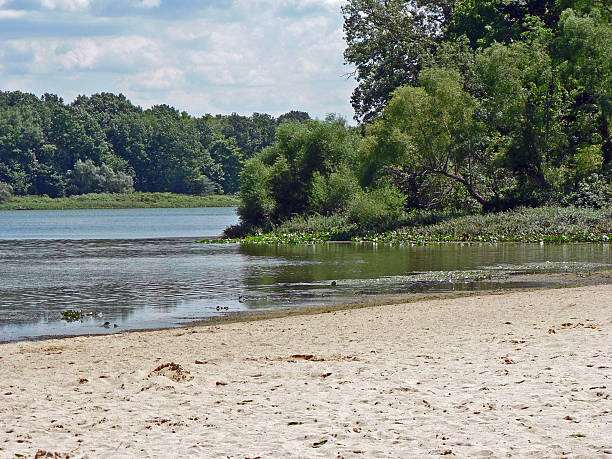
{"x": 115, "y": 223}
{"x": 141, "y": 269}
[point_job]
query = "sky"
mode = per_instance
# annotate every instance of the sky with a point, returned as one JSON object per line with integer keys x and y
{"x": 207, "y": 56}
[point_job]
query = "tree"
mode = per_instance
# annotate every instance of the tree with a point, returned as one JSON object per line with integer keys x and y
{"x": 5, "y": 192}
{"x": 228, "y": 157}
{"x": 430, "y": 130}
{"x": 86, "y": 177}
{"x": 485, "y": 22}
{"x": 279, "y": 182}
{"x": 387, "y": 41}
{"x": 293, "y": 116}
{"x": 585, "y": 64}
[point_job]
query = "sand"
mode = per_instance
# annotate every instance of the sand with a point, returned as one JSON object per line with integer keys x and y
{"x": 519, "y": 374}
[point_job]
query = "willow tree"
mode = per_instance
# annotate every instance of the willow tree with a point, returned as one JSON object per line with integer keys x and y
{"x": 431, "y": 130}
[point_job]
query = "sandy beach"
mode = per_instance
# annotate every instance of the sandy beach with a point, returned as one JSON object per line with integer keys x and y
{"x": 516, "y": 374}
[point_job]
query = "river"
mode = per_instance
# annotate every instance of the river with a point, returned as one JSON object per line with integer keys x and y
{"x": 135, "y": 269}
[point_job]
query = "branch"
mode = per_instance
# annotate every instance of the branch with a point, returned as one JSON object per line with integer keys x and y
{"x": 481, "y": 200}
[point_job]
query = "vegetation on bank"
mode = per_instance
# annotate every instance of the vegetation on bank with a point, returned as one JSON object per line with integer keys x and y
{"x": 537, "y": 225}
{"x": 117, "y": 201}
{"x": 105, "y": 144}
{"x": 468, "y": 108}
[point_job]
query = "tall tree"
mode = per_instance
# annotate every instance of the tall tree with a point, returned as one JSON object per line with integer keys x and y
{"x": 387, "y": 41}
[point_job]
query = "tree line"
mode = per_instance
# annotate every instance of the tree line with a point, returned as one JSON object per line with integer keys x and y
{"x": 104, "y": 143}
{"x": 463, "y": 106}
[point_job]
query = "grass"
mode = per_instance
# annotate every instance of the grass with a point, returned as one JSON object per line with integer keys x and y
{"x": 541, "y": 225}
{"x": 117, "y": 201}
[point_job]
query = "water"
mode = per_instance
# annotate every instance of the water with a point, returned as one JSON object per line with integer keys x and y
{"x": 115, "y": 223}
{"x": 140, "y": 269}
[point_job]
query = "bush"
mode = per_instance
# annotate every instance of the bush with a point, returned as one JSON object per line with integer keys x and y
{"x": 332, "y": 193}
{"x": 86, "y": 177}
{"x": 593, "y": 191}
{"x": 256, "y": 202}
{"x": 304, "y": 172}
{"x": 378, "y": 210}
{"x": 6, "y": 191}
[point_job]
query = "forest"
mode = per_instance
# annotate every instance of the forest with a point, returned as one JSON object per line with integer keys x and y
{"x": 105, "y": 144}
{"x": 463, "y": 107}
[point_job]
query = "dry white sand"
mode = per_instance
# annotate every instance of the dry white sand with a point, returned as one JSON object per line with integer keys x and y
{"x": 519, "y": 374}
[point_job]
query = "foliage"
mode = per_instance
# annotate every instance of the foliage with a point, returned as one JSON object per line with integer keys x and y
{"x": 5, "y": 192}
{"x": 386, "y": 42}
{"x": 86, "y": 177}
{"x": 162, "y": 149}
{"x": 306, "y": 168}
{"x": 539, "y": 225}
{"x": 544, "y": 224}
{"x": 593, "y": 191}
{"x": 113, "y": 201}
{"x": 504, "y": 104}
{"x": 70, "y": 315}
{"x": 377, "y": 210}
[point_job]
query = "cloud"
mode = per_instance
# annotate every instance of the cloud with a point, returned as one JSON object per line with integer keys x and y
{"x": 68, "y": 5}
{"x": 11, "y": 14}
{"x": 155, "y": 79}
{"x": 230, "y": 55}
{"x": 149, "y": 3}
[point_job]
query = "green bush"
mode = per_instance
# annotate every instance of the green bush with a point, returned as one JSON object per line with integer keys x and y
{"x": 331, "y": 193}
{"x": 593, "y": 191}
{"x": 86, "y": 177}
{"x": 306, "y": 171}
{"x": 256, "y": 203}
{"x": 378, "y": 210}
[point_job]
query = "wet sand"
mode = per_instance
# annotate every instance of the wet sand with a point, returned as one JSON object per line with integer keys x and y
{"x": 520, "y": 374}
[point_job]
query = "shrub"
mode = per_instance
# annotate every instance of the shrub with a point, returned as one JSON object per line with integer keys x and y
{"x": 256, "y": 202}
{"x": 302, "y": 173}
{"x": 593, "y": 191}
{"x": 86, "y": 177}
{"x": 331, "y": 193}
{"x": 378, "y": 210}
{"x": 6, "y": 191}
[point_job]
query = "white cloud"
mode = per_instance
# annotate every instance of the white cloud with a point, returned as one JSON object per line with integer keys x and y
{"x": 250, "y": 55}
{"x": 11, "y": 14}
{"x": 149, "y": 3}
{"x": 155, "y": 79}
{"x": 69, "y": 5}
{"x": 108, "y": 53}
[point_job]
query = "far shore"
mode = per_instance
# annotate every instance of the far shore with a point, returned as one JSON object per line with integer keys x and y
{"x": 118, "y": 201}
{"x": 517, "y": 373}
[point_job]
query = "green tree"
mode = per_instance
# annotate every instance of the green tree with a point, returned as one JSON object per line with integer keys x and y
{"x": 86, "y": 177}
{"x": 431, "y": 130}
{"x": 485, "y": 22}
{"x": 387, "y": 41}
{"x": 585, "y": 63}
{"x": 279, "y": 182}
{"x": 228, "y": 157}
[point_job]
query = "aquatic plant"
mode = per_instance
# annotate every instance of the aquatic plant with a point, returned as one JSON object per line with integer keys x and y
{"x": 539, "y": 225}
{"x": 70, "y": 315}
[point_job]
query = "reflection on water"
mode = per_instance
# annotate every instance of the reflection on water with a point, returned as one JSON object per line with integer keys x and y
{"x": 156, "y": 283}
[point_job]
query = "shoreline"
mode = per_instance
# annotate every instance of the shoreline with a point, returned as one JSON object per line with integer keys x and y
{"x": 553, "y": 281}
{"x": 135, "y": 200}
{"x": 520, "y": 373}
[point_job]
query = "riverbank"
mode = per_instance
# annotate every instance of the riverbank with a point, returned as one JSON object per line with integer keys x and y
{"x": 118, "y": 201}
{"x": 541, "y": 224}
{"x": 523, "y": 373}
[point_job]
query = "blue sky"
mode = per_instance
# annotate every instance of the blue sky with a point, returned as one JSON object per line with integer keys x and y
{"x": 211, "y": 56}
